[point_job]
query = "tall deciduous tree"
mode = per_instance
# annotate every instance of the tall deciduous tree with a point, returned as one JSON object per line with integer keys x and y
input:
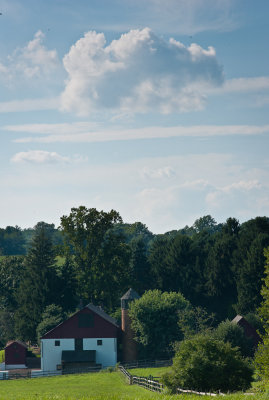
{"x": 155, "y": 321}
{"x": 38, "y": 286}
{"x": 111, "y": 271}
{"x": 85, "y": 231}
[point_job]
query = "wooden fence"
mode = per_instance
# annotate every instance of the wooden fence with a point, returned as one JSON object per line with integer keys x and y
{"x": 147, "y": 383}
{"x": 147, "y": 364}
{"x": 13, "y": 374}
{"x": 155, "y": 386}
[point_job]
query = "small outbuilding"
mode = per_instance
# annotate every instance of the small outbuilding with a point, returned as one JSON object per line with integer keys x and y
{"x": 15, "y": 355}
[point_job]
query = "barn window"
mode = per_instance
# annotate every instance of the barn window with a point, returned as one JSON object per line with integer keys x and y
{"x": 99, "y": 342}
{"x": 85, "y": 320}
{"x": 57, "y": 343}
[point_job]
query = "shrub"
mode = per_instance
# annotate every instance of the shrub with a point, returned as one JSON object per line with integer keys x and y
{"x": 261, "y": 360}
{"x": 206, "y": 364}
{"x": 230, "y": 332}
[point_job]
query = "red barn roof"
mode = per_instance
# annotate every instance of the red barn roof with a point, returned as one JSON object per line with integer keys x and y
{"x": 90, "y": 322}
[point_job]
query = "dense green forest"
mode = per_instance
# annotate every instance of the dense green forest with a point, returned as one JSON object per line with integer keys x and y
{"x": 95, "y": 257}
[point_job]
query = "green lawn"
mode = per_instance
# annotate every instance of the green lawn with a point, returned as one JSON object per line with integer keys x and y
{"x": 100, "y": 386}
{"x": 85, "y": 386}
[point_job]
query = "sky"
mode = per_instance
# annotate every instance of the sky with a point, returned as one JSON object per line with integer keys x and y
{"x": 157, "y": 109}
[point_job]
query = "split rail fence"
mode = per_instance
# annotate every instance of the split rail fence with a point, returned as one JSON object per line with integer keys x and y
{"x": 151, "y": 384}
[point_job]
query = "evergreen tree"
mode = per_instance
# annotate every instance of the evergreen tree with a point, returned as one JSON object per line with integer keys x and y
{"x": 139, "y": 266}
{"x": 182, "y": 274}
{"x": 157, "y": 260}
{"x": 38, "y": 286}
{"x": 250, "y": 275}
{"x": 67, "y": 292}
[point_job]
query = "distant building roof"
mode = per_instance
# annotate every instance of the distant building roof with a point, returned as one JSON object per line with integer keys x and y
{"x": 131, "y": 294}
{"x": 238, "y": 318}
{"x": 10, "y": 342}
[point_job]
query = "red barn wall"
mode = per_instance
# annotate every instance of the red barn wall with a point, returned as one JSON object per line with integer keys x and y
{"x": 15, "y": 354}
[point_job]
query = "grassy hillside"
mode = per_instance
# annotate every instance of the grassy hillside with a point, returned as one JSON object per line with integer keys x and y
{"x": 100, "y": 386}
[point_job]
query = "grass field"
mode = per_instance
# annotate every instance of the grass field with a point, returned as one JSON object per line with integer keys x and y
{"x": 100, "y": 386}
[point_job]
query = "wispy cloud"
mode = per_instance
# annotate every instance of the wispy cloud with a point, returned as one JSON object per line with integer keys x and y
{"x": 61, "y": 132}
{"x": 185, "y": 17}
{"x": 242, "y": 85}
{"x": 27, "y": 105}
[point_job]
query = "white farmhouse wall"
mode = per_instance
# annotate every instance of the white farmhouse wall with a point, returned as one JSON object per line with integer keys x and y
{"x": 51, "y": 355}
{"x": 106, "y": 354}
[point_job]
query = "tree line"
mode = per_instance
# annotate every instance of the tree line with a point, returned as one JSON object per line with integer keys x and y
{"x": 95, "y": 257}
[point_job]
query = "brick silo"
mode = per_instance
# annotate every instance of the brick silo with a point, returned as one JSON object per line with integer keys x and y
{"x": 129, "y": 346}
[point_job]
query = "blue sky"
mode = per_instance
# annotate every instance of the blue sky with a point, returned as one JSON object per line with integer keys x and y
{"x": 156, "y": 109}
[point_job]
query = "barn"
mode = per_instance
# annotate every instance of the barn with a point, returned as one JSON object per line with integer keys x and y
{"x": 87, "y": 339}
{"x": 15, "y": 354}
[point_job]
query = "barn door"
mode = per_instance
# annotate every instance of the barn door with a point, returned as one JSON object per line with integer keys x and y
{"x": 78, "y": 344}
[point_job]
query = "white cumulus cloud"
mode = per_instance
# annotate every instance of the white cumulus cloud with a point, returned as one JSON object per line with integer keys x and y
{"x": 38, "y": 157}
{"x": 33, "y": 60}
{"x": 138, "y": 72}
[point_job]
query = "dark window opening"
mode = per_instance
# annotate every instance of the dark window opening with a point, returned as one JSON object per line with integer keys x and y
{"x": 85, "y": 321}
{"x": 78, "y": 344}
{"x": 99, "y": 342}
{"x": 57, "y": 343}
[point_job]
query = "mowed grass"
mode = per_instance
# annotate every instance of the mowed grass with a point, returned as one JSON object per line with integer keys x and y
{"x": 84, "y": 386}
{"x": 100, "y": 386}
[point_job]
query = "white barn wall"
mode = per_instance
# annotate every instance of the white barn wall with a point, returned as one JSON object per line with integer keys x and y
{"x": 51, "y": 354}
{"x": 105, "y": 354}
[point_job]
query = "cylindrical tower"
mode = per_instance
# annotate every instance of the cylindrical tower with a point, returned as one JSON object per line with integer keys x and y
{"x": 129, "y": 346}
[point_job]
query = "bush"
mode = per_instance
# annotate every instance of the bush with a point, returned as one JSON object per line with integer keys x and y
{"x": 261, "y": 360}
{"x": 230, "y": 332}
{"x": 206, "y": 364}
